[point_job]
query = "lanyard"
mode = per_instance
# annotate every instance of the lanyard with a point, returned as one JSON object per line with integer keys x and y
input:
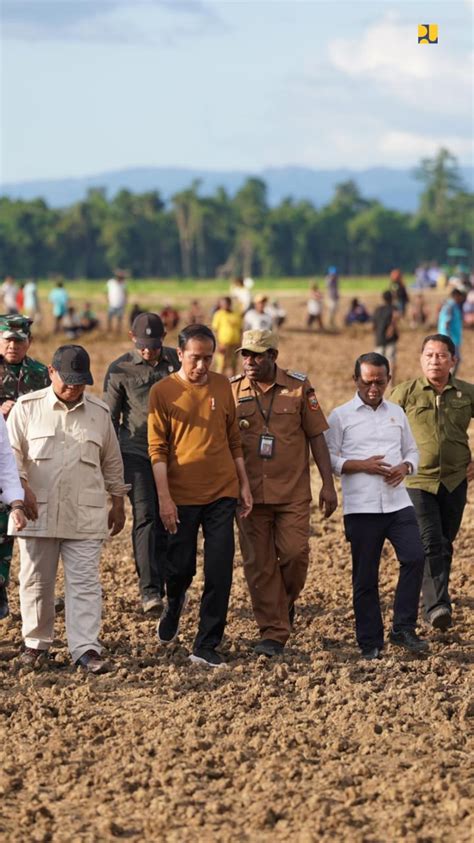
{"x": 265, "y": 414}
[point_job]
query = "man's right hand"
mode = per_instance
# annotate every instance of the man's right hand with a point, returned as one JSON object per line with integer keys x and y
{"x": 375, "y": 465}
{"x": 6, "y": 407}
{"x": 169, "y": 515}
{"x": 31, "y": 504}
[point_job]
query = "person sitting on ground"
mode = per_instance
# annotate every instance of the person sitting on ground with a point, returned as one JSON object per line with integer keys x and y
{"x": 357, "y": 313}
{"x": 88, "y": 318}
{"x": 277, "y": 313}
{"x": 71, "y": 324}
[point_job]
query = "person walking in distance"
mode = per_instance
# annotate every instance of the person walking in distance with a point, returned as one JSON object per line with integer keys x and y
{"x": 127, "y": 386}
{"x": 195, "y": 450}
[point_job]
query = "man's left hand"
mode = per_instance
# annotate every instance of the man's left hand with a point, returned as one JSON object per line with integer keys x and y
{"x": 327, "y": 500}
{"x": 470, "y": 471}
{"x": 116, "y": 519}
{"x": 245, "y": 501}
{"x": 396, "y": 474}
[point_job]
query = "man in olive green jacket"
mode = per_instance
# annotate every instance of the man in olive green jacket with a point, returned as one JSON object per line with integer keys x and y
{"x": 439, "y": 408}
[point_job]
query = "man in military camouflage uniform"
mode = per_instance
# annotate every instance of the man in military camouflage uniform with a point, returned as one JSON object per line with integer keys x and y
{"x": 19, "y": 374}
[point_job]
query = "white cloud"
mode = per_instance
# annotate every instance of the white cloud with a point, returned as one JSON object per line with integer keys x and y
{"x": 388, "y": 56}
{"x": 405, "y": 147}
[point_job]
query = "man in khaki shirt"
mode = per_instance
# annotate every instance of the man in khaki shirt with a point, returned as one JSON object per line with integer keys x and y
{"x": 280, "y": 420}
{"x": 68, "y": 459}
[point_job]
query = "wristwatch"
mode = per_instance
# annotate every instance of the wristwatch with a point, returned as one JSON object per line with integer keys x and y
{"x": 409, "y": 467}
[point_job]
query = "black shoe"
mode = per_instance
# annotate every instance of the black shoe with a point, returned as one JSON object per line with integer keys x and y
{"x": 4, "y": 607}
{"x": 291, "y": 614}
{"x": 168, "y": 626}
{"x": 207, "y": 658}
{"x": 440, "y": 618}
{"x": 269, "y": 648}
{"x": 59, "y": 605}
{"x": 371, "y": 653}
{"x": 409, "y": 639}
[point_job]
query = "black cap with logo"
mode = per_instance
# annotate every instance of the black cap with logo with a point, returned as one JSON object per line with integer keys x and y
{"x": 73, "y": 365}
{"x": 148, "y": 330}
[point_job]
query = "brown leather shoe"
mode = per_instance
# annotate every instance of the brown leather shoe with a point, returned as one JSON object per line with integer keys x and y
{"x": 30, "y": 657}
{"x": 93, "y": 662}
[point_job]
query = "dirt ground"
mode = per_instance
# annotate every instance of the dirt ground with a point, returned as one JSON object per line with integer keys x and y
{"x": 313, "y": 746}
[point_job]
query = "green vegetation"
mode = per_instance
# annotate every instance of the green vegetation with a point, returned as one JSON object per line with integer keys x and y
{"x": 219, "y": 236}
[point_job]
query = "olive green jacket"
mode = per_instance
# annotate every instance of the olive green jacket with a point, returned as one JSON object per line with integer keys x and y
{"x": 439, "y": 423}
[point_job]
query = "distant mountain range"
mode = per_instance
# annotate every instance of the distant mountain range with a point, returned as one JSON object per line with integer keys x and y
{"x": 394, "y": 188}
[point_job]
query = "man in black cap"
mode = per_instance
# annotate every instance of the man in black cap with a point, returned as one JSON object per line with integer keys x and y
{"x": 68, "y": 459}
{"x": 19, "y": 374}
{"x": 126, "y": 388}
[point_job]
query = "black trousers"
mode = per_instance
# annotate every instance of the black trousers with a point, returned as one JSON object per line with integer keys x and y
{"x": 366, "y": 533}
{"x": 439, "y": 518}
{"x": 217, "y": 522}
{"x": 149, "y": 537}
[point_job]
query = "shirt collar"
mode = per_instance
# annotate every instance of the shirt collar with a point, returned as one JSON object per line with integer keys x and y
{"x": 55, "y": 402}
{"x": 427, "y": 385}
{"x": 138, "y": 359}
{"x": 358, "y": 403}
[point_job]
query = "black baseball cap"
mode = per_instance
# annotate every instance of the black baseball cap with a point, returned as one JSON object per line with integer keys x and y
{"x": 148, "y": 330}
{"x": 73, "y": 365}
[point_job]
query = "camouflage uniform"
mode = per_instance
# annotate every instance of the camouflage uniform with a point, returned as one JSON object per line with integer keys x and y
{"x": 15, "y": 379}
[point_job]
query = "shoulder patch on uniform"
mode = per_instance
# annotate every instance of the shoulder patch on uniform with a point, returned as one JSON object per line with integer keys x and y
{"x": 33, "y": 396}
{"x": 235, "y": 378}
{"x": 95, "y": 400}
{"x": 298, "y": 375}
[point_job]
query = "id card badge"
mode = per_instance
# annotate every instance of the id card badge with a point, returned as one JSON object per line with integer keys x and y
{"x": 266, "y": 446}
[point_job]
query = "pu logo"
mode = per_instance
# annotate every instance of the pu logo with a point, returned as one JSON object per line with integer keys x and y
{"x": 427, "y": 33}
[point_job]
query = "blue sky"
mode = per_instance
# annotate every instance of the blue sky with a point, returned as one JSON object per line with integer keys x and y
{"x": 95, "y": 85}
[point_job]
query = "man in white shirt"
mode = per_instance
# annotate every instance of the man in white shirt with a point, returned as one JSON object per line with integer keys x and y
{"x": 372, "y": 448}
{"x": 117, "y": 299}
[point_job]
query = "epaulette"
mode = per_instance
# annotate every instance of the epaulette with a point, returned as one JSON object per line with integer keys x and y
{"x": 94, "y": 400}
{"x": 298, "y": 375}
{"x": 33, "y": 396}
{"x": 235, "y": 378}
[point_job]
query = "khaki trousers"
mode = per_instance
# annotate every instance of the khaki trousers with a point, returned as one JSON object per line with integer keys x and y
{"x": 83, "y": 594}
{"x": 274, "y": 541}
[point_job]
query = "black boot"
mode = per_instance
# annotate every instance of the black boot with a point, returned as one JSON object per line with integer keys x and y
{"x": 4, "y": 607}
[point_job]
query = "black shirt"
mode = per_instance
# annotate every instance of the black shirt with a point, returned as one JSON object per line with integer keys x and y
{"x": 382, "y": 320}
{"x": 126, "y": 387}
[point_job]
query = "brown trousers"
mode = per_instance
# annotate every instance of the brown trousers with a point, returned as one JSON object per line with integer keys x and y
{"x": 274, "y": 541}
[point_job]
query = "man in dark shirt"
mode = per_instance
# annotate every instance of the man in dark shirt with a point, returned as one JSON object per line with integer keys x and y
{"x": 126, "y": 388}
{"x": 385, "y": 320}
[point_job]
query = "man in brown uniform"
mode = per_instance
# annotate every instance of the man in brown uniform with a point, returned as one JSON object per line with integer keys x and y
{"x": 279, "y": 416}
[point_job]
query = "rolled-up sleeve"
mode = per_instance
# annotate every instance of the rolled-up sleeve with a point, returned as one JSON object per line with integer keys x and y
{"x": 112, "y": 463}
{"x": 11, "y": 488}
{"x": 334, "y": 436}
{"x": 233, "y": 432}
{"x": 158, "y": 429}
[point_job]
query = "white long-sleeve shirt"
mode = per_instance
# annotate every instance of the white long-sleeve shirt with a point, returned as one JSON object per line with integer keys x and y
{"x": 357, "y": 432}
{"x": 10, "y": 485}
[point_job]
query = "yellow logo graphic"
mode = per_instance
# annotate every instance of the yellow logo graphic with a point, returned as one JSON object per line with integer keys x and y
{"x": 427, "y": 33}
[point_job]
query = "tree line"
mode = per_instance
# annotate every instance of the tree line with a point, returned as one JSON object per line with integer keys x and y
{"x": 207, "y": 236}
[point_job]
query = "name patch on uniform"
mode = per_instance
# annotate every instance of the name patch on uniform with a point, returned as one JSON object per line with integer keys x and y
{"x": 246, "y": 398}
{"x": 298, "y": 375}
